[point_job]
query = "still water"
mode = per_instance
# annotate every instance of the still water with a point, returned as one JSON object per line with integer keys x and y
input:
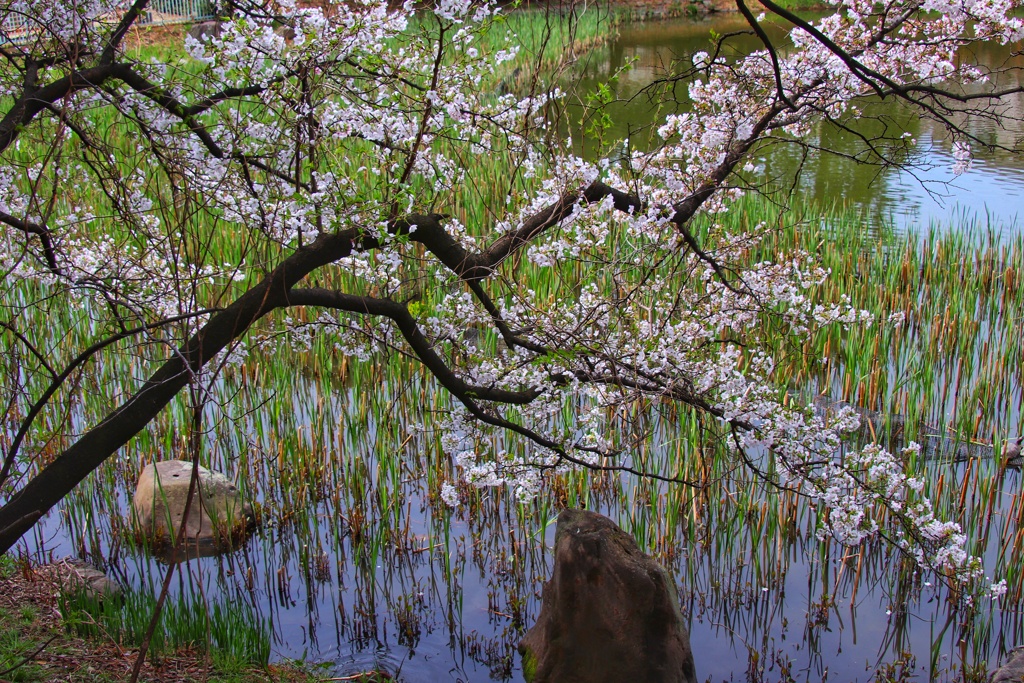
{"x": 360, "y": 566}
{"x": 926, "y": 194}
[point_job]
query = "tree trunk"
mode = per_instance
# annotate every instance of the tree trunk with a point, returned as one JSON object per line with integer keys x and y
{"x": 61, "y": 476}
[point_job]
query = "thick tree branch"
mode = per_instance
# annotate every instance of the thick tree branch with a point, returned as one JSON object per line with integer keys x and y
{"x": 69, "y": 468}
{"x": 141, "y": 85}
{"x": 33, "y": 101}
{"x": 59, "y": 379}
{"x": 421, "y": 346}
{"x": 752, "y": 21}
{"x": 40, "y": 231}
{"x": 121, "y": 30}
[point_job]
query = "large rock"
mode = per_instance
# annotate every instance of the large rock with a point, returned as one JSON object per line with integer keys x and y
{"x": 73, "y": 575}
{"x": 609, "y": 613}
{"x": 204, "y": 29}
{"x": 1012, "y": 670}
{"x": 1012, "y": 454}
{"x": 218, "y": 519}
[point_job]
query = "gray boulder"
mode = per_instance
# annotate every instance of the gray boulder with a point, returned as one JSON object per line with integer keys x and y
{"x": 72, "y": 575}
{"x": 218, "y": 519}
{"x": 1012, "y": 670}
{"x": 609, "y": 613}
{"x": 286, "y": 32}
{"x": 202, "y": 29}
{"x": 1012, "y": 454}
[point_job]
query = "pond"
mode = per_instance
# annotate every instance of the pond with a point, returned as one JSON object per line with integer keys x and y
{"x": 928, "y": 194}
{"x": 360, "y": 564}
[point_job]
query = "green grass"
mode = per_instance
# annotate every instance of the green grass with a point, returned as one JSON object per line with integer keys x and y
{"x": 31, "y": 651}
{"x": 17, "y": 643}
{"x": 233, "y": 636}
{"x": 803, "y": 5}
{"x": 314, "y": 445}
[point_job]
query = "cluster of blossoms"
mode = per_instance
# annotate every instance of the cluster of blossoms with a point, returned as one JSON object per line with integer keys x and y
{"x": 138, "y": 270}
{"x": 47, "y": 25}
{"x": 872, "y": 482}
{"x": 360, "y": 119}
{"x": 663, "y": 339}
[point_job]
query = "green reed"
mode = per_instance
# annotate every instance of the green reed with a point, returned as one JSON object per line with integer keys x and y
{"x": 232, "y": 635}
{"x": 344, "y": 458}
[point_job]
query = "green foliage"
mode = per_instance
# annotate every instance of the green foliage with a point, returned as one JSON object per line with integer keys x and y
{"x": 16, "y": 643}
{"x": 8, "y": 565}
{"x": 805, "y": 5}
{"x": 598, "y": 122}
{"x": 232, "y": 634}
{"x": 529, "y": 666}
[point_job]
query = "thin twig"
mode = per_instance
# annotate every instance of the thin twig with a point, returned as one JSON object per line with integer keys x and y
{"x": 29, "y": 658}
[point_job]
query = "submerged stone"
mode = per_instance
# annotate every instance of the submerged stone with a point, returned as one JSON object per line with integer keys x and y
{"x": 609, "y": 612}
{"x": 218, "y": 519}
{"x": 1012, "y": 454}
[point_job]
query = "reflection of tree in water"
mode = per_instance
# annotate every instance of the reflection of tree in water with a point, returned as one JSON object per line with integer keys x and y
{"x": 838, "y": 167}
{"x": 850, "y": 173}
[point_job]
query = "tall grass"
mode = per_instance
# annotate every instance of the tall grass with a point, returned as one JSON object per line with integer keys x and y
{"x": 233, "y": 635}
{"x": 344, "y": 458}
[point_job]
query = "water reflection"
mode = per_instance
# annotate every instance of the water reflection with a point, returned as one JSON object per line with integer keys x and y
{"x": 927, "y": 194}
{"x": 361, "y": 565}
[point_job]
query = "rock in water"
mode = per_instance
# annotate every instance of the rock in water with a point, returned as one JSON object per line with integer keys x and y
{"x": 1012, "y": 454}
{"x": 1012, "y": 670}
{"x": 218, "y": 519}
{"x": 609, "y": 614}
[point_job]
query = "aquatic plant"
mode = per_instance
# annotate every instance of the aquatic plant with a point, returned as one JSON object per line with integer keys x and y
{"x": 321, "y": 186}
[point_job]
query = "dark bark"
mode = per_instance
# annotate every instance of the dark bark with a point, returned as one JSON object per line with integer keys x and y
{"x": 59, "y": 477}
{"x": 60, "y": 378}
{"x": 420, "y": 345}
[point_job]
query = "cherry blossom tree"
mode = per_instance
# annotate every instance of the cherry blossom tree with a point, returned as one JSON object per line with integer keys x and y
{"x": 336, "y": 162}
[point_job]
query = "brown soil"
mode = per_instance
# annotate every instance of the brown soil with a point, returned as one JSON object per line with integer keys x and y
{"x": 147, "y": 36}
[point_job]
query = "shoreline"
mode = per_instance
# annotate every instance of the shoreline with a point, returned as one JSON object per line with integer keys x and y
{"x": 653, "y": 10}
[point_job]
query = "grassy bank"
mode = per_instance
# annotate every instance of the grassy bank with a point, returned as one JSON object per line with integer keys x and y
{"x": 48, "y": 635}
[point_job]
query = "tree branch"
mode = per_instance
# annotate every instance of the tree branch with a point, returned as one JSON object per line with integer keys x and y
{"x": 69, "y": 468}
{"x": 59, "y": 379}
{"x": 421, "y": 346}
{"x": 40, "y": 231}
{"x": 779, "y": 87}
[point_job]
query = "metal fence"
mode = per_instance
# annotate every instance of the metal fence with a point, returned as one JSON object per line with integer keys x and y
{"x": 21, "y": 29}
{"x": 178, "y": 11}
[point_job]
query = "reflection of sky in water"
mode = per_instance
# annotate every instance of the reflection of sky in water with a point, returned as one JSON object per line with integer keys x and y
{"x": 348, "y": 617}
{"x": 928, "y": 194}
{"x": 989, "y": 193}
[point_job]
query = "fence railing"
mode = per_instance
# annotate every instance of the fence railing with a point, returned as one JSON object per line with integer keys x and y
{"x": 178, "y": 11}
{"x": 21, "y": 29}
